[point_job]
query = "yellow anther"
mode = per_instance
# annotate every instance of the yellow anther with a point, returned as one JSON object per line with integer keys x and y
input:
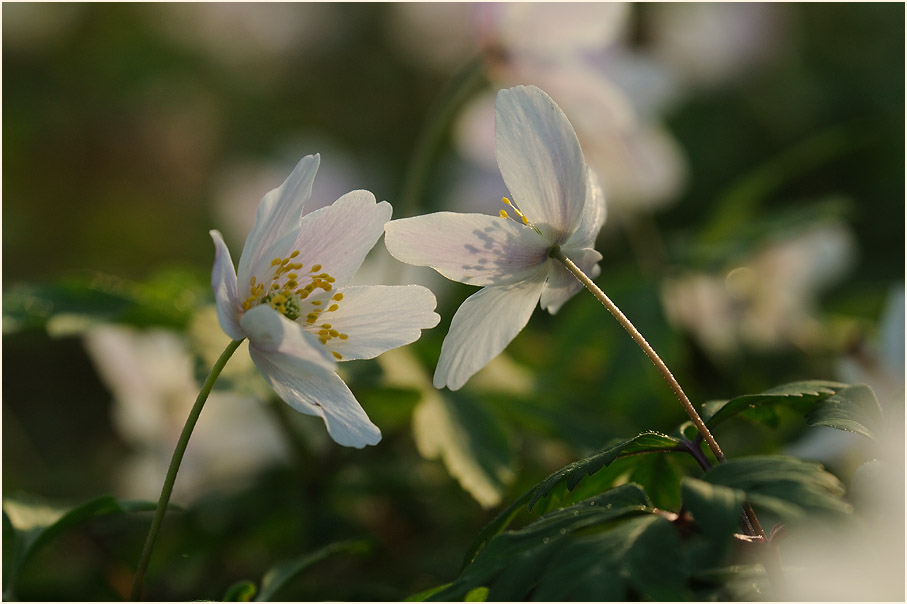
{"x": 525, "y": 220}
{"x": 323, "y": 332}
{"x": 311, "y": 317}
{"x": 323, "y": 340}
{"x": 275, "y": 262}
{"x": 294, "y": 254}
{"x": 333, "y": 307}
{"x": 315, "y": 268}
{"x": 503, "y": 214}
{"x": 344, "y": 336}
{"x": 506, "y": 201}
{"x": 275, "y": 286}
{"x": 292, "y": 276}
{"x": 327, "y": 287}
{"x": 337, "y": 355}
{"x": 252, "y": 281}
{"x": 338, "y": 296}
{"x": 334, "y": 333}
{"x": 326, "y": 326}
{"x": 315, "y": 302}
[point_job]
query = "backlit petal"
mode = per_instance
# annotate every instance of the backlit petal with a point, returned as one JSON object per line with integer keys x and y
{"x": 470, "y": 248}
{"x": 317, "y": 391}
{"x": 279, "y": 213}
{"x": 223, "y": 282}
{"x": 339, "y": 236}
{"x": 593, "y": 218}
{"x": 482, "y": 328}
{"x": 540, "y": 159}
{"x": 271, "y": 332}
{"x": 377, "y": 318}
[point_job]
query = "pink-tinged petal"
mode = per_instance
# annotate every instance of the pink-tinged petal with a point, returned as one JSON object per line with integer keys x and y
{"x": 223, "y": 282}
{"x": 540, "y": 159}
{"x": 378, "y": 318}
{"x": 339, "y": 236}
{"x": 593, "y": 218}
{"x": 470, "y": 248}
{"x": 482, "y": 328}
{"x": 317, "y": 391}
{"x": 561, "y": 284}
{"x": 279, "y": 213}
{"x": 271, "y": 332}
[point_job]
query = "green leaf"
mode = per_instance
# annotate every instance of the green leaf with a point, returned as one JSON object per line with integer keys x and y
{"x": 786, "y": 486}
{"x": 853, "y": 409}
{"x": 647, "y": 442}
{"x": 36, "y": 523}
{"x": 241, "y": 591}
{"x": 278, "y": 577}
{"x": 716, "y": 512}
{"x": 471, "y": 444}
{"x": 799, "y": 395}
{"x": 422, "y": 596}
{"x": 500, "y": 522}
{"x": 512, "y": 562}
{"x": 659, "y": 476}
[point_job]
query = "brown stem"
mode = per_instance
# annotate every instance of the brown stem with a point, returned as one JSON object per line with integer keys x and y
{"x": 557, "y": 254}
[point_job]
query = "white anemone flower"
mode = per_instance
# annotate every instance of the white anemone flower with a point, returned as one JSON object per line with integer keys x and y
{"x": 557, "y": 203}
{"x": 290, "y": 298}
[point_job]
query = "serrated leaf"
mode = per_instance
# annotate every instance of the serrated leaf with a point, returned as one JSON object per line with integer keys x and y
{"x": 278, "y": 577}
{"x": 716, "y": 511}
{"x": 786, "y": 486}
{"x": 495, "y": 527}
{"x": 645, "y": 442}
{"x": 36, "y": 523}
{"x": 853, "y": 409}
{"x": 472, "y": 446}
{"x": 800, "y": 395}
{"x": 511, "y": 562}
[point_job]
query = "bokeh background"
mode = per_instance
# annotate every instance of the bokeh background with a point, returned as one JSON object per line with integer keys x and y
{"x": 753, "y": 159}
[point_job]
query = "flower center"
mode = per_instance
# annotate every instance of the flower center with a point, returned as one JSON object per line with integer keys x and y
{"x": 503, "y": 214}
{"x": 286, "y": 294}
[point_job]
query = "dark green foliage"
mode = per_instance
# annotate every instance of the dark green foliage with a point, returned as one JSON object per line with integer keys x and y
{"x": 798, "y": 395}
{"x": 854, "y": 409}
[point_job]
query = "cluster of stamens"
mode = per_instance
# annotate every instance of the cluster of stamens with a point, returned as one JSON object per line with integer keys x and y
{"x": 503, "y": 214}
{"x": 285, "y": 295}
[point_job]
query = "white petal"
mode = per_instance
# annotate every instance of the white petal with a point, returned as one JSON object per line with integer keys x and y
{"x": 540, "y": 159}
{"x": 561, "y": 284}
{"x": 279, "y": 213}
{"x": 223, "y": 282}
{"x": 378, "y": 318}
{"x": 593, "y": 218}
{"x": 315, "y": 391}
{"x": 470, "y": 248}
{"x": 482, "y": 328}
{"x": 271, "y": 332}
{"x": 340, "y": 235}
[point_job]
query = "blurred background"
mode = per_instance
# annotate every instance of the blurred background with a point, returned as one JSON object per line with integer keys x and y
{"x": 753, "y": 161}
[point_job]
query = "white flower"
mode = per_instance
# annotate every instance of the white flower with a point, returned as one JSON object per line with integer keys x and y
{"x": 557, "y": 201}
{"x": 290, "y": 298}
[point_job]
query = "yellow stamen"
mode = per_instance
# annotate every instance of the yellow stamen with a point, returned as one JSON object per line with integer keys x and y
{"x": 337, "y": 355}
{"x": 503, "y": 214}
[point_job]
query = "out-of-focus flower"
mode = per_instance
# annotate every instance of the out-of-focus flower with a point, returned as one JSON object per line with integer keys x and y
{"x": 433, "y": 35}
{"x": 710, "y": 43}
{"x": 289, "y": 298}
{"x": 766, "y": 300}
{"x": 150, "y": 375}
{"x": 574, "y": 52}
{"x": 557, "y": 201}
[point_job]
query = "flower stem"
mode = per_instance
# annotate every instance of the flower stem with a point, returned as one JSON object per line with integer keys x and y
{"x": 175, "y": 461}
{"x": 441, "y": 114}
{"x": 557, "y": 254}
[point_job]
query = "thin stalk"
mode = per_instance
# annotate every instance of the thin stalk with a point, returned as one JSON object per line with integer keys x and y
{"x": 440, "y": 115}
{"x": 175, "y": 461}
{"x": 557, "y": 254}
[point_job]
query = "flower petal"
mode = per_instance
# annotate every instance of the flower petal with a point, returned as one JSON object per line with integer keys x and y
{"x": 339, "y": 236}
{"x": 561, "y": 284}
{"x": 271, "y": 332}
{"x": 482, "y": 328}
{"x": 316, "y": 391}
{"x": 378, "y": 318}
{"x": 223, "y": 282}
{"x": 540, "y": 159}
{"x": 594, "y": 213}
{"x": 279, "y": 213}
{"x": 470, "y": 248}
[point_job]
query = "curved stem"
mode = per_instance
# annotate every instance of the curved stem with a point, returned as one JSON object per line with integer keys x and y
{"x": 557, "y": 254}
{"x": 175, "y": 461}
{"x": 440, "y": 116}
